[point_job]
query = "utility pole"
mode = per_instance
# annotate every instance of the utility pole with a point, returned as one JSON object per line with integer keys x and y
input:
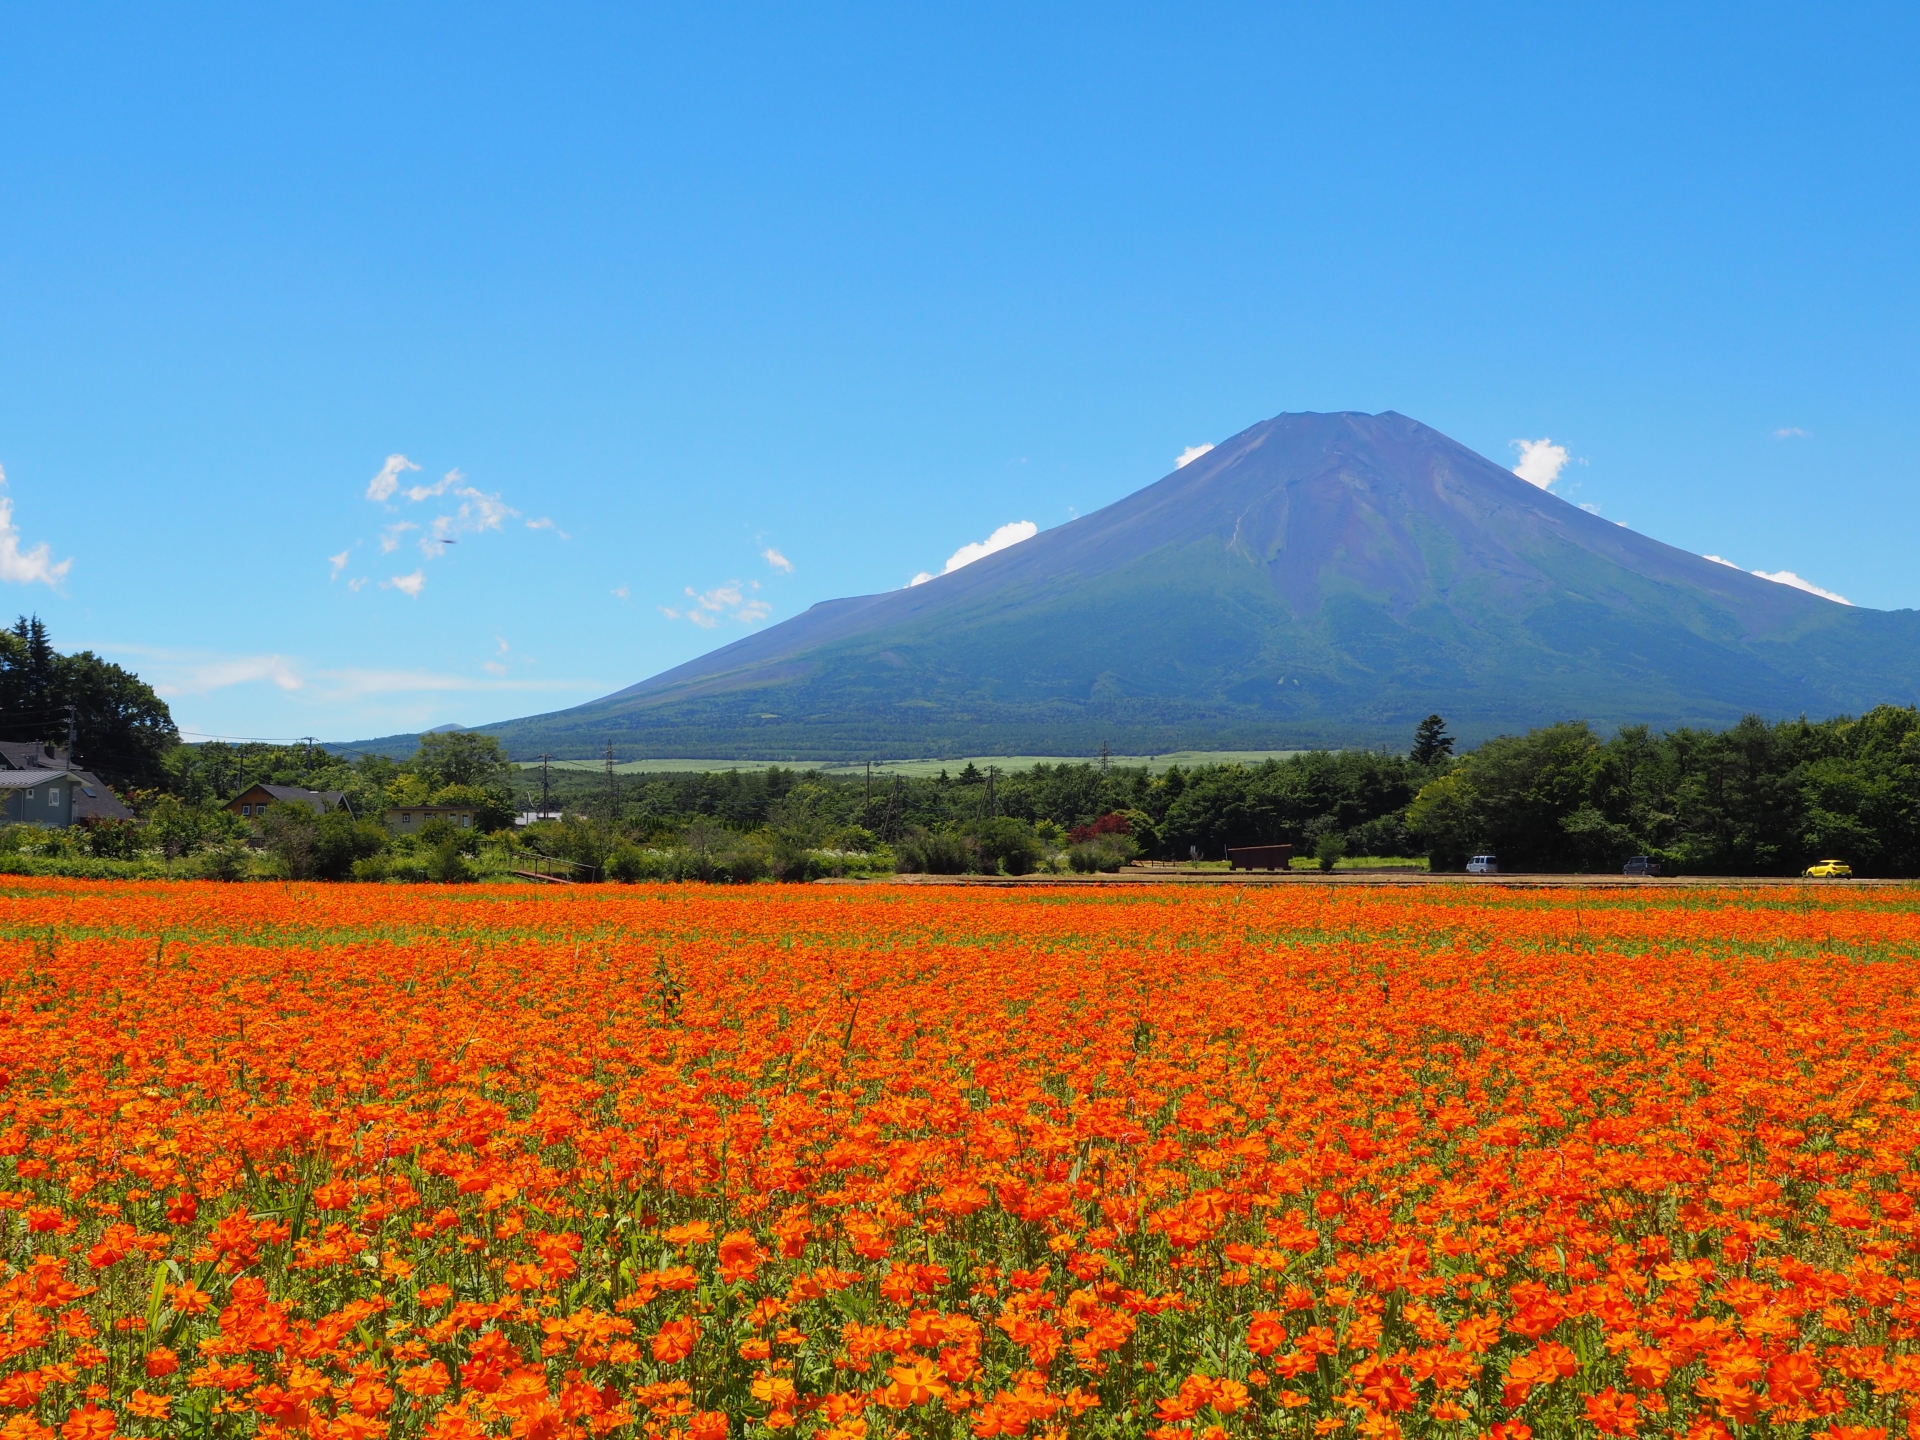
{"x": 993, "y": 807}
{"x": 309, "y": 742}
{"x": 72, "y": 759}
{"x": 543, "y": 783}
{"x": 1106, "y": 755}
{"x": 866, "y": 798}
{"x": 613, "y": 800}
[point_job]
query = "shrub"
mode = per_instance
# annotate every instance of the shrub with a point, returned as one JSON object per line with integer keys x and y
{"x": 1004, "y": 843}
{"x": 111, "y": 839}
{"x": 445, "y": 865}
{"x": 1104, "y": 855}
{"x": 629, "y": 863}
{"x": 227, "y": 861}
{"x": 923, "y": 852}
{"x": 311, "y": 846}
{"x": 1329, "y": 850}
{"x": 1110, "y": 824}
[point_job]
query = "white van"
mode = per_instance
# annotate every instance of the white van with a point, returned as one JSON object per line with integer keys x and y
{"x": 1484, "y": 865}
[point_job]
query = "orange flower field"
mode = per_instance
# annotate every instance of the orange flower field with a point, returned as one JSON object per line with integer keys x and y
{"x": 857, "y": 1162}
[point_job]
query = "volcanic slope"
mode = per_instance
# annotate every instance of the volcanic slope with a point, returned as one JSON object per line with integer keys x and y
{"x": 1315, "y": 580}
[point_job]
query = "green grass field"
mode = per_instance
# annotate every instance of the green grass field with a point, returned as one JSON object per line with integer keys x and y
{"x": 920, "y": 768}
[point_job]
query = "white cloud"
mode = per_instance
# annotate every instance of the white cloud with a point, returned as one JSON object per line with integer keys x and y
{"x": 478, "y": 511}
{"x": 408, "y": 585}
{"x": 357, "y": 584}
{"x": 1589, "y": 507}
{"x": 1789, "y": 432}
{"x": 778, "y": 561}
{"x": 380, "y": 489}
{"x": 1011, "y": 533}
{"x": 1541, "y": 461}
{"x": 338, "y": 562}
{"x": 1187, "y": 456}
{"x": 25, "y": 567}
{"x": 195, "y": 672}
{"x": 446, "y": 482}
{"x": 1787, "y": 577}
{"x": 181, "y": 675}
{"x": 621, "y": 592}
{"x": 494, "y": 667}
{"x": 729, "y": 601}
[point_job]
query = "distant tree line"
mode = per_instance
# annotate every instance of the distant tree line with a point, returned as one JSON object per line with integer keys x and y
{"x": 1758, "y": 798}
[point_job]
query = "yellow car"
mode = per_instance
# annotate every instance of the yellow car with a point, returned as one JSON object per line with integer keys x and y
{"x": 1828, "y": 870}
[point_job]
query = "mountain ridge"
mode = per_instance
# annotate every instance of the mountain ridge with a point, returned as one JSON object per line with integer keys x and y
{"x": 1315, "y": 579}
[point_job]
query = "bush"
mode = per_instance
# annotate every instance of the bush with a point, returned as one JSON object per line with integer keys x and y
{"x": 922, "y": 852}
{"x": 1386, "y": 836}
{"x": 111, "y": 839}
{"x": 1103, "y": 854}
{"x": 227, "y": 861}
{"x": 445, "y": 865}
{"x": 1003, "y": 843}
{"x": 439, "y": 832}
{"x": 1329, "y": 850}
{"x": 311, "y": 846}
{"x": 629, "y": 863}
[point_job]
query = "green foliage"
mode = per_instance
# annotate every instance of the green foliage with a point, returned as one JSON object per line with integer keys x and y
{"x": 1431, "y": 742}
{"x": 111, "y": 839}
{"x": 1003, "y": 843}
{"x": 461, "y": 757}
{"x": 1273, "y": 803}
{"x": 1755, "y": 799}
{"x": 923, "y": 852}
{"x": 312, "y": 846}
{"x": 229, "y": 860}
{"x": 175, "y": 827}
{"x": 1329, "y": 850}
{"x": 122, "y": 730}
{"x": 1103, "y": 854}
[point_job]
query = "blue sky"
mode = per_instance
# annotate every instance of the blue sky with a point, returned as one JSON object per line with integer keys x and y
{"x": 719, "y": 311}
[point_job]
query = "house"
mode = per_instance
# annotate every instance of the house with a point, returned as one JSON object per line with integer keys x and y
{"x": 252, "y": 802}
{"x": 407, "y": 819}
{"x": 42, "y": 796}
{"x": 38, "y": 786}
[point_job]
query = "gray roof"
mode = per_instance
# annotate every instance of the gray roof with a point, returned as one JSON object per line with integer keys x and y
{"x": 30, "y": 755}
{"x": 96, "y": 801}
{"x": 21, "y": 779}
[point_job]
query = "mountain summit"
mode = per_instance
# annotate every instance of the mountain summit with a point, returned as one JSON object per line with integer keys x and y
{"x": 1315, "y": 580}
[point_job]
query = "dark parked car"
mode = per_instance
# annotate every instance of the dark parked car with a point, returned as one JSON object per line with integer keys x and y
{"x": 1641, "y": 865}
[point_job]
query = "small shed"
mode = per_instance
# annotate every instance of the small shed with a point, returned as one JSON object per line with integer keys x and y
{"x": 1260, "y": 857}
{"x": 252, "y": 803}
